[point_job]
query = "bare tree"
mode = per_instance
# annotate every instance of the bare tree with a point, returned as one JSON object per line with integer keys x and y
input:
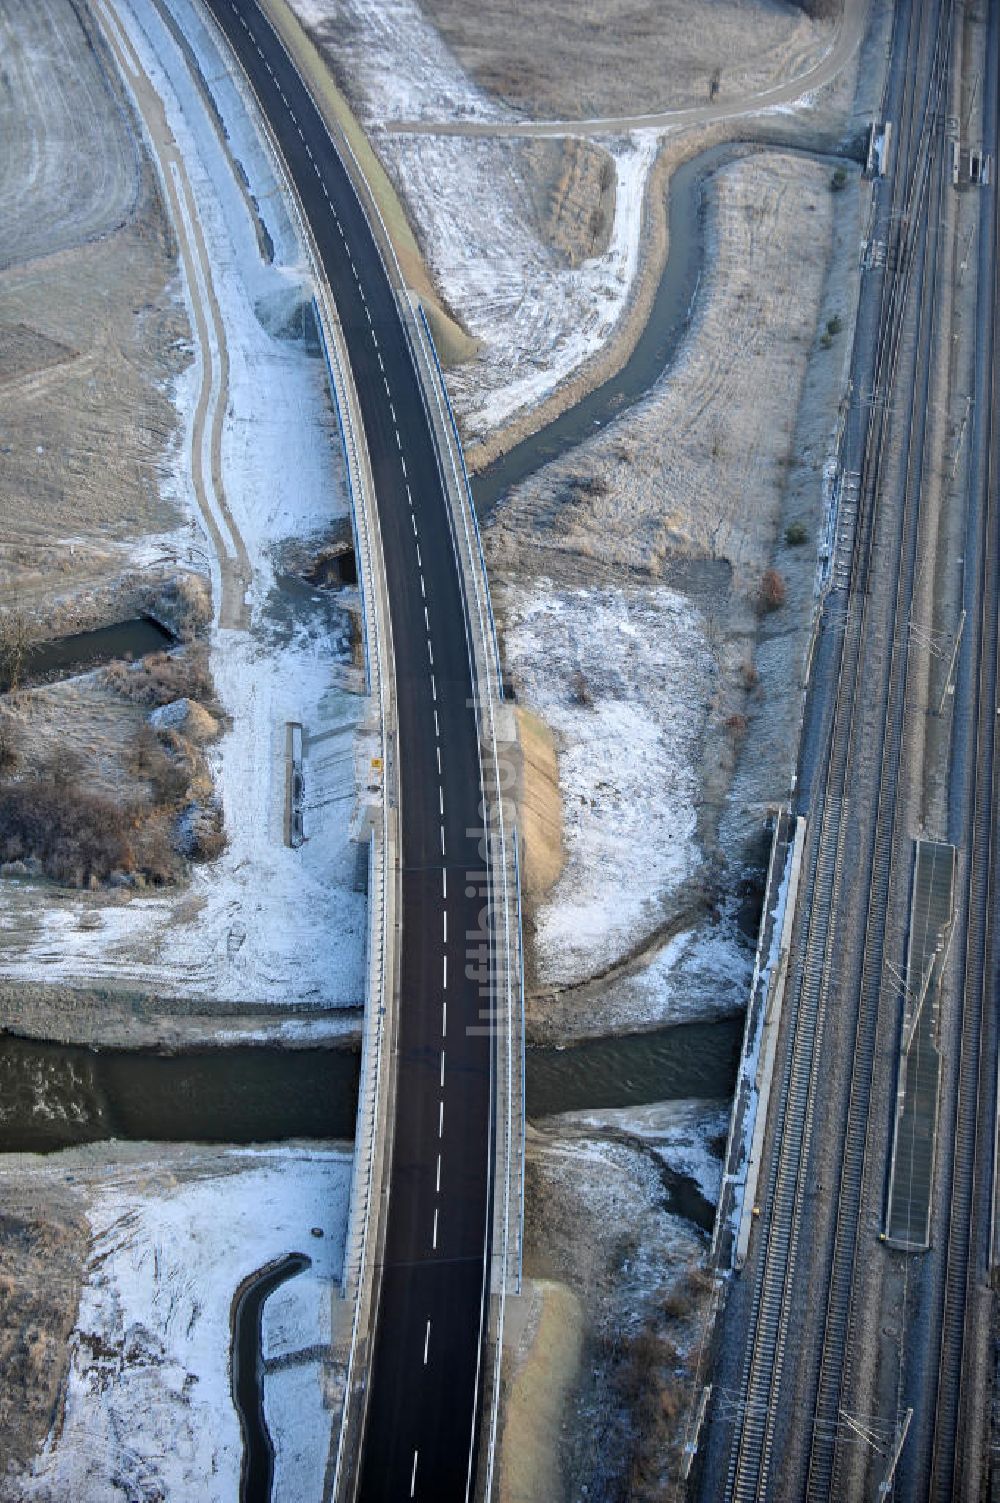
{"x": 10, "y": 745}
{"x": 15, "y": 637}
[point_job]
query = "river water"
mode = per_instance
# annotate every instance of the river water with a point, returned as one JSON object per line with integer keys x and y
{"x": 658, "y": 343}
{"x": 54, "y": 1096}
{"x": 65, "y": 656}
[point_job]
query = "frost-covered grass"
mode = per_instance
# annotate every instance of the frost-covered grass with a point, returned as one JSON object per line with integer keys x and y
{"x": 683, "y": 1133}
{"x": 264, "y": 923}
{"x": 621, "y": 677}
{"x": 536, "y": 318}
{"x": 148, "y": 1410}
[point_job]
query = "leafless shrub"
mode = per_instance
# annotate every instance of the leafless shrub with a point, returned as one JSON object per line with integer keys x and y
{"x": 580, "y": 690}
{"x": 208, "y": 834}
{"x": 154, "y": 848}
{"x": 80, "y": 838}
{"x": 62, "y": 767}
{"x": 15, "y": 638}
{"x": 10, "y": 745}
{"x": 771, "y": 596}
{"x": 163, "y": 677}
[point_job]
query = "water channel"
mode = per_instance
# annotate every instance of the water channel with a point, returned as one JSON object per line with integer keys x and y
{"x": 64, "y": 656}
{"x": 54, "y": 1096}
{"x": 658, "y": 343}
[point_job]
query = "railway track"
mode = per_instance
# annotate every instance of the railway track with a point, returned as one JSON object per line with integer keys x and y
{"x": 959, "y": 1424}
{"x": 829, "y": 1461}
{"x": 864, "y": 725}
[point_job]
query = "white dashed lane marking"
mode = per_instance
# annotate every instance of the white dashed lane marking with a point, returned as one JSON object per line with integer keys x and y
{"x": 427, "y": 1333}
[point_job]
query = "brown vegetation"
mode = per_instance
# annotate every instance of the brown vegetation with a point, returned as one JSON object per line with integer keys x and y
{"x": 185, "y": 605}
{"x": 41, "y": 1254}
{"x": 15, "y": 637}
{"x": 10, "y": 744}
{"x": 771, "y": 595}
{"x": 79, "y": 838}
{"x": 163, "y": 677}
{"x": 65, "y": 815}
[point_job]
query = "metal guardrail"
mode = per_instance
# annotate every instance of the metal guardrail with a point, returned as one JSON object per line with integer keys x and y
{"x": 484, "y": 659}
{"x": 468, "y": 492}
{"x": 505, "y": 910}
{"x": 367, "y": 1200}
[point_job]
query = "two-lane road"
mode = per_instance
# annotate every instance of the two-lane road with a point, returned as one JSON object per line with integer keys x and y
{"x": 423, "y": 1407}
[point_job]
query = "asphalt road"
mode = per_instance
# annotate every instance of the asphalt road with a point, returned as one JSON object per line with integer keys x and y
{"x": 421, "y": 1436}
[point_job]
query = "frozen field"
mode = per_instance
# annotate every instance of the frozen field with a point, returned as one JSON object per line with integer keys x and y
{"x": 148, "y": 1406}
{"x": 264, "y": 923}
{"x": 622, "y": 678}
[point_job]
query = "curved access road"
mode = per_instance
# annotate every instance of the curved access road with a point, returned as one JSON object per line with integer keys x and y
{"x": 420, "y": 1439}
{"x": 846, "y": 41}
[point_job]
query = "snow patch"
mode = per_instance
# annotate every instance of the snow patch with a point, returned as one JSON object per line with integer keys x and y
{"x": 641, "y": 662}
{"x": 263, "y": 923}
{"x": 149, "y": 1410}
{"x": 537, "y": 320}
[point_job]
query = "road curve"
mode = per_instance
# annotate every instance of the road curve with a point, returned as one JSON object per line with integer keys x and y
{"x": 424, "y": 1399}
{"x": 847, "y": 40}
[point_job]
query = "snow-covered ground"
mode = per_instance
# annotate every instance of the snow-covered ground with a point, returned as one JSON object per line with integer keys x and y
{"x": 622, "y": 678}
{"x": 148, "y": 1409}
{"x": 680, "y": 1132}
{"x": 264, "y": 923}
{"x": 536, "y": 319}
